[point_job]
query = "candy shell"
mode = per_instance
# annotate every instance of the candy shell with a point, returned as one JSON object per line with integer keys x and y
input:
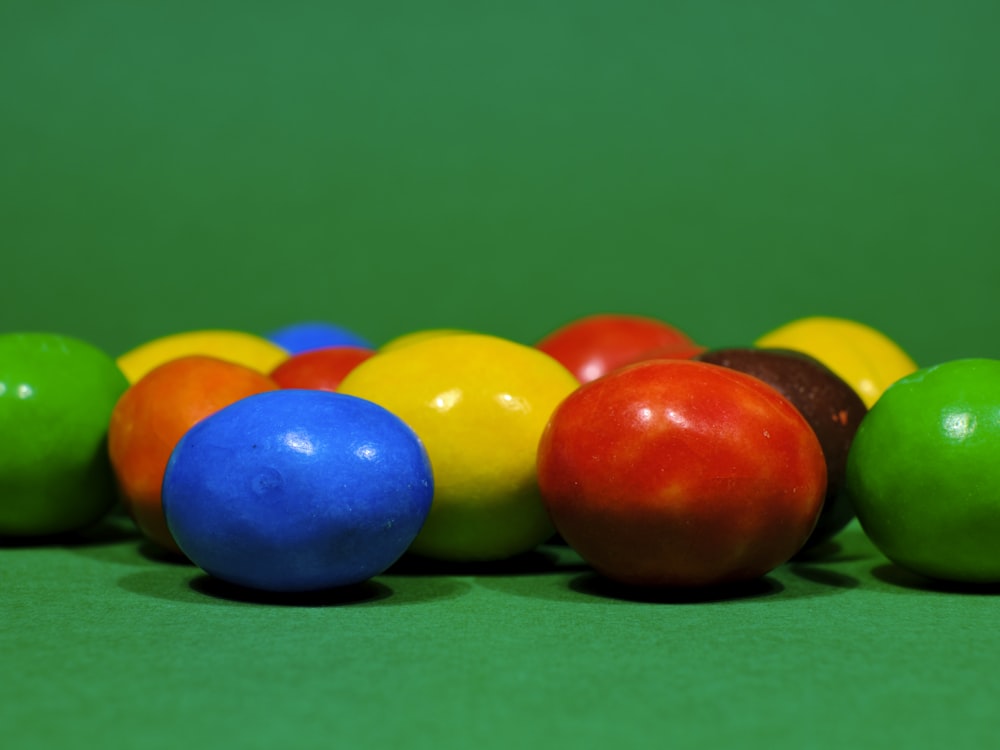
{"x": 309, "y": 335}
{"x": 56, "y": 397}
{"x": 297, "y": 490}
{"x": 867, "y": 359}
{"x": 924, "y": 472}
{"x": 153, "y": 414}
{"x": 233, "y": 346}
{"x": 479, "y": 403}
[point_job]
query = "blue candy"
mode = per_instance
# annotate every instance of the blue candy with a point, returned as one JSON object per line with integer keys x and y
{"x": 306, "y": 336}
{"x": 297, "y": 490}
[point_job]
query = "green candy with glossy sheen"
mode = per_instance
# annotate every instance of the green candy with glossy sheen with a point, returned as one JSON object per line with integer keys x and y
{"x": 56, "y": 397}
{"x": 924, "y": 472}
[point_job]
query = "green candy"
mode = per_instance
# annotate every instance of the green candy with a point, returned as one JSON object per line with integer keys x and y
{"x": 56, "y": 398}
{"x": 924, "y": 472}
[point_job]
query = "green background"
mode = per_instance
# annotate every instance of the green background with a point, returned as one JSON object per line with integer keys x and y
{"x": 503, "y": 167}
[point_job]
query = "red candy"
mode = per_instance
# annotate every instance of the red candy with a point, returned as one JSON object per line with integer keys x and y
{"x": 319, "y": 369}
{"x": 673, "y": 473}
{"x": 597, "y": 344}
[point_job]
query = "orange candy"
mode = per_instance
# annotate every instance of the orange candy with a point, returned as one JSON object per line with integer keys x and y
{"x": 154, "y": 413}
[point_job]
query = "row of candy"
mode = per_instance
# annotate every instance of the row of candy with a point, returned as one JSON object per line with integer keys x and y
{"x": 310, "y": 459}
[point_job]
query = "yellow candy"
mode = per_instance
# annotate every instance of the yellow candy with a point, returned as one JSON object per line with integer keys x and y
{"x": 415, "y": 337}
{"x": 479, "y": 404}
{"x": 864, "y": 358}
{"x": 242, "y": 348}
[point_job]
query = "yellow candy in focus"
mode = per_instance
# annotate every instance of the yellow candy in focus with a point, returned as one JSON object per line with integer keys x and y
{"x": 242, "y": 348}
{"x": 866, "y": 359}
{"x": 415, "y": 337}
{"x": 479, "y": 403}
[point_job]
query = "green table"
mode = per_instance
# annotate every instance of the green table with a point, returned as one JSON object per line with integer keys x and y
{"x": 725, "y": 166}
{"x": 104, "y": 640}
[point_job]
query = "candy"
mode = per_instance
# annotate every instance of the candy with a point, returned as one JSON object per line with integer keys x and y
{"x": 924, "y": 471}
{"x": 415, "y": 337}
{"x": 831, "y": 407}
{"x": 56, "y": 396}
{"x": 679, "y": 350}
{"x": 479, "y": 403}
{"x": 596, "y": 344}
{"x": 153, "y": 414}
{"x": 601, "y": 428}
{"x": 866, "y": 359}
{"x": 319, "y": 368}
{"x": 306, "y": 336}
{"x": 297, "y": 490}
{"x": 233, "y": 346}
{"x": 677, "y": 473}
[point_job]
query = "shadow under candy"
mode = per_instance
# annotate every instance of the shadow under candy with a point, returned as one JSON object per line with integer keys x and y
{"x": 106, "y": 531}
{"x": 896, "y": 575}
{"x": 190, "y": 584}
{"x": 155, "y": 553}
{"x": 594, "y": 584}
{"x": 825, "y": 551}
{"x": 540, "y": 561}
{"x": 359, "y": 593}
{"x": 822, "y": 576}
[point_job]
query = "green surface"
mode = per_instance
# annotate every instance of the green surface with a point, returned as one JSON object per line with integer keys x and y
{"x": 726, "y": 166}
{"x": 108, "y": 642}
